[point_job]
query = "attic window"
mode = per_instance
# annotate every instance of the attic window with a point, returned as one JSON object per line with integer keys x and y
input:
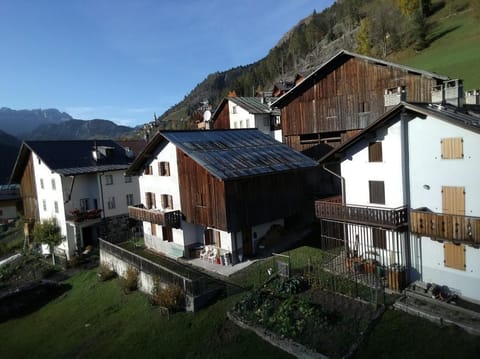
{"x": 375, "y": 152}
{"x": 163, "y": 168}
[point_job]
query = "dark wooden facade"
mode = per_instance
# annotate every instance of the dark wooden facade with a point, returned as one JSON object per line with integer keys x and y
{"x": 235, "y": 205}
{"x": 222, "y": 116}
{"x": 346, "y": 95}
{"x": 28, "y": 192}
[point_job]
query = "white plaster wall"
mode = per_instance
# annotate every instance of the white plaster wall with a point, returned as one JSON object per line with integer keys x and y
{"x": 50, "y": 195}
{"x": 277, "y": 134}
{"x": 428, "y": 168}
{"x": 119, "y": 189}
{"x": 240, "y": 118}
{"x": 428, "y": 173}
{"x": 84, "y": 186}
{"x": 357, "y": 170}
{"x": 466, "y": 283}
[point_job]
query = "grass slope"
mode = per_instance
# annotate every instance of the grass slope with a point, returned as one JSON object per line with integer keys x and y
{"x": 96, "y": 319}
{"x": 454, "y": 50}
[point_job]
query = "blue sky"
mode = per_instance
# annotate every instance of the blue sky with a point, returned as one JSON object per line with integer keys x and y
{"x": 124, "y": 60}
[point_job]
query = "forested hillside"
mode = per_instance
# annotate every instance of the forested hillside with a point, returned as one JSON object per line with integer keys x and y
{"x": 398, "y": 30}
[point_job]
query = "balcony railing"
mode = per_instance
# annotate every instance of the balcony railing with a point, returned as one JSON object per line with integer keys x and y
{"x": 446, "y": 226}
{"x": 80, "y": 216}
{"x": 384, "y": 217}
{"x": 168, "y": 219}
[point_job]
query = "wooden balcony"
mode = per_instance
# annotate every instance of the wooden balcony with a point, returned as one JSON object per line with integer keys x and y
{"x": 393, "y": 218}
{"x": 445, "y": 226}
{"x": 168, "y": 219}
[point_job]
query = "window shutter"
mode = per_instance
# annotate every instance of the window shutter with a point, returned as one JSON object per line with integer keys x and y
{"x": 375, "y": 152}
{"x": 452, "y": 148}
{"x": 453, "y": 200}
{"x": 454, "y": 256}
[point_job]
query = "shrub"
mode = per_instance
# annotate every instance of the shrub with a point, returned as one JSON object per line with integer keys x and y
{"x": 171, "y": 297}
{"x": 105, "y": 273}
{"x": 130, "y": 282}
{"x": 292, "y": 285}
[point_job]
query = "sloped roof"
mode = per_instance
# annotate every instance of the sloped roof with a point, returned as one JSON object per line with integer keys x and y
{"x": 253, "y": 105}
{"x": 336, "y": 61}
{"x": 446, "y": 113}
{"x": 71, "y": 157}
{"x": 229, "y": 154}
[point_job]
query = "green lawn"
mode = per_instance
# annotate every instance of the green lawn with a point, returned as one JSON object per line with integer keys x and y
{"x": 95, "y": 319}
{"x": 454, "y": 50}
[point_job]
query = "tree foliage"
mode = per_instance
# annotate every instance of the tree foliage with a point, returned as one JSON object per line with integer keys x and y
{"x": 48, "y": 232}
{"x": 363, "y": 38}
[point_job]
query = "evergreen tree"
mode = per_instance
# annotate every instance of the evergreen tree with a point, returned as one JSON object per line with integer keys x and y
{"x": 363, "y": 37}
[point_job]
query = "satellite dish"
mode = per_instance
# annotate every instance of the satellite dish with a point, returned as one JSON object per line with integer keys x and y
{"x": 207, "y": 115}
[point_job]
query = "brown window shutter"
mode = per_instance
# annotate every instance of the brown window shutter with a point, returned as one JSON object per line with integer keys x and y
{"x": 452, "y": 148}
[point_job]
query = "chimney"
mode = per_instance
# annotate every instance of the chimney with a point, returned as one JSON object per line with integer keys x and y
{"x": 438, "y": 94}
{"x": 95, "y": 154}
{"x": 472, "y": 97}
{"x": 394, "y": 95}
{"x": 454, "y": 92}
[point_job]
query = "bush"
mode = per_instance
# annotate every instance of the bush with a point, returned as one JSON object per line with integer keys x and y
{"x": 106, "y": 273}
{"x": 130, "y": 282}
{"x": 292, "y": 285}
{"x": 171, "y": 297}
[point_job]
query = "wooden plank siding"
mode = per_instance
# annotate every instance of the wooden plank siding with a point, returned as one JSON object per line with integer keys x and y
{"x": 28, "y": 191}
{"x": 260, "y": 199}
{"x": 202, "y": 195}
{"x": 222, "y": 120}
{"x": 349, "y": 97}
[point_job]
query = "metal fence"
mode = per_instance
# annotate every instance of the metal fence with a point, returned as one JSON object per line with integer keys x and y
{"x": 191, "y": 286}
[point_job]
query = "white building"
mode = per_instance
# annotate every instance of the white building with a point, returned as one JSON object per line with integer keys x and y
{"x": 81, "y": 184}
{"x": 421, "y": 158}
{"x": 248, "y": 112}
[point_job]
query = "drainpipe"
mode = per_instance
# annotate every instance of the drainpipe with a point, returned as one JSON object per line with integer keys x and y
{"x": 342, "y": 182}
{"x": 404, "y": 118}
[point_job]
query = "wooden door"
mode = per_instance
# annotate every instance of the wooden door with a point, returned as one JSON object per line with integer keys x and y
{"x": 167, "y": 234}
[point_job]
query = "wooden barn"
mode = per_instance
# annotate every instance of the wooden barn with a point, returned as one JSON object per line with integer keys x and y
{"x": 344, "y": 96}
{"x": 230, "y": 187}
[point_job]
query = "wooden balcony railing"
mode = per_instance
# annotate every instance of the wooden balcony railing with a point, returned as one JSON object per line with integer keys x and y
{"x": 384, "y": 217}
{"x": 446, "y": 226}
{"x": 80, "y": 216}
{"x": 168, "y": 219}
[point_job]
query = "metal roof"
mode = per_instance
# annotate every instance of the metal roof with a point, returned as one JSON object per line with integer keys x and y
{"x": 251, "y": 104}
{"x": 232, "y": 154}
{"x": 71, "y": 157}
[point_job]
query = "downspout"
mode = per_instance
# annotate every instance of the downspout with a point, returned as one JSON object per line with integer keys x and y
{"x": 406, "y": 196}
{"x": 342, "y": 182}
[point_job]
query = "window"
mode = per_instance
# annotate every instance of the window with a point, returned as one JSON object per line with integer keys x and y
{"x": 108, "y": 179}
{"x": 84, "y": 204}
{"x": 377, "y": 192}
{"x": 247, "y": 123}
{"x": 453, "y": 200}
{"x": 241, "y": 124}
{"x": 452, "y": 148}
{"x": 44, "y": 203}
{"x": 41, "y": 183}
{"x": 454, "y": 256}
{"x": 153, "y": 229}
{"x": 364, "y": 107}
{"x": 375, "y": 152}
{"x": 266, "y": 122}
{"x": 235, "y": 124}
{"x": 167, "y": 201}
{"x": 234, "y": 109}
{"x": 39, "y": 160}
{"x": 167, "y": 234}
{"x": 54, "y": 186}
{"x": 128, "y": 179}
{"x": 111, "y": 203}
{"x": 163, "y": 169}
{"x": 148, "y": 170}
{"x": 129, "y": 199}
{"x": 55, "y": 204}
{"x": 150, "y": 200}
{"x": 379, "y": 238}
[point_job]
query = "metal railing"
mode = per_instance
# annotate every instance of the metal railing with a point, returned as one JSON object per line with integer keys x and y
{"x": 446, "y": 226}
{"x": 191, "y": 286}
{"x": 384, "y": 217}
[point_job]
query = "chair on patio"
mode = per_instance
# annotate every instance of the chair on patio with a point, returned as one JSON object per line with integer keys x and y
{"x": 213, "y": 255}
{"x": 205, "y": 252}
